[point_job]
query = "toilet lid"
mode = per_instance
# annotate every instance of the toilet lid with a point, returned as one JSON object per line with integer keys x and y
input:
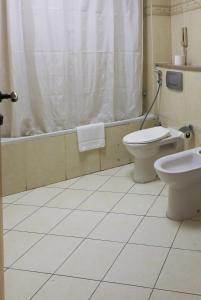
{"x": 147, "y": 135}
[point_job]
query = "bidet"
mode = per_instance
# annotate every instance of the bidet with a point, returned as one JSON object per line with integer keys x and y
{"x": 182, "y": 173}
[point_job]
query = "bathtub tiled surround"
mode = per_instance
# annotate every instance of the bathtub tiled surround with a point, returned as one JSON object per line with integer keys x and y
{"x": 29, "y": 164}
{"x": 82, "y": 239}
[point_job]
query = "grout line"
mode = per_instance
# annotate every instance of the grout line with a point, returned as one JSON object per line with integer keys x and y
{"x": 27, "y": 270}
{"x": 83, "y": 239}
{"x": 104, "y": 240}
{"x": 50, "y": 186}
{"x": 44, "y": 234}
{"x": 39, "y": 207}
{"x": 179, "y": 292}
{"x": 165, "y": 260}
{"x": 121, "y": 213}
{"x": 92, "y": 192}
{"x": 73, "y": 251}
{"x": 104, "y": 281}
{"x": 25, "y": 194}
{"x": 163, "y": 190}
{"x": 81, "y": 189}
{"x": 118, "y": 255}
{"x": 96, "y": 211}
{"x": 159, "y": 195}
{"x": 127, "y": 243}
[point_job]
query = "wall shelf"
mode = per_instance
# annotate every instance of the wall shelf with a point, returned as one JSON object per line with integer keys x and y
{"x": 192, "y": 68}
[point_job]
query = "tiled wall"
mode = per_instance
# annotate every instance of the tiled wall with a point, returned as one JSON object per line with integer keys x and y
{"x": 157, "y": 42}
{"x": 187, "y": 13}
{"x": 39, "y": 162}
{"x": 167, "y": 19}
{"x": 164, "y": 20}
{"x": 177, "y": 109}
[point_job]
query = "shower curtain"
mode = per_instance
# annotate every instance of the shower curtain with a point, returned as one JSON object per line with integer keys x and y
{"x": 73, "y": 62}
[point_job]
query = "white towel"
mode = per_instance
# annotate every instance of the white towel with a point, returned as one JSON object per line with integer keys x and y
{"x": 91, "y": 136}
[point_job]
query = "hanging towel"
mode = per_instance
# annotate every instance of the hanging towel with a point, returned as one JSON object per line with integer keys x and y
{"x": 91, "y": 136}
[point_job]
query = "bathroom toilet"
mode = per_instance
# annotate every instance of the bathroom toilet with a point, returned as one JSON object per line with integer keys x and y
{"x": 148, "y": 145}
{"x": 182, "y": 173}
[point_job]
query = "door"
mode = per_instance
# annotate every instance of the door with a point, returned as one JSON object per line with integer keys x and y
{"x": 1, "y": 226}
{"x": 13, "y": 97}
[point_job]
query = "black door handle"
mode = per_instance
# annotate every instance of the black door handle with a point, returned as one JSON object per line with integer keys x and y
{"x": 1, "y": 120}
{"x": 13, "y": 96}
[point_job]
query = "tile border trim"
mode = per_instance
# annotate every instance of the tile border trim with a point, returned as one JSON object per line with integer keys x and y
{"x": 171, "y": 10}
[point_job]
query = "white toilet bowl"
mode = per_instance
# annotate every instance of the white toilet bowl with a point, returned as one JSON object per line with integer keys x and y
{"x": 150, "y": 144}
{"x": 182, "y": 172}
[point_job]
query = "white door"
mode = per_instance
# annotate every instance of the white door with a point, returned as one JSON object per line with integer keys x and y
{"x": 13, "y": 97}
{"x": 1, "y": 227}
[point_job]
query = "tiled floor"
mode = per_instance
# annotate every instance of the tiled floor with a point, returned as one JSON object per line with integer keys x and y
{"x": 99, "y": 237}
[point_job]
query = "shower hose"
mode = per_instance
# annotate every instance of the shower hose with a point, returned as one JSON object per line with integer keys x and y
{"x": 150, "y": 108}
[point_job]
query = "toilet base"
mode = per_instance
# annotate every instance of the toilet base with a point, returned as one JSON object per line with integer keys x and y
{"x": 144, "y": 170}
{"x": 184, "y": 203}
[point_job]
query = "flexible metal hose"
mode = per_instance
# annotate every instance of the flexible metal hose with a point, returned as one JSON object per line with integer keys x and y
{"x": 144, "y": 120}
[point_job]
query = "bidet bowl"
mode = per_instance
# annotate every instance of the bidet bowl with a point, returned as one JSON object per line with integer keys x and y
{"x": 180, "y": 169}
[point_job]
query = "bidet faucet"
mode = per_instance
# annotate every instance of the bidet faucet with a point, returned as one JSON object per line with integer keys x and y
{"x": 184, "y": 42}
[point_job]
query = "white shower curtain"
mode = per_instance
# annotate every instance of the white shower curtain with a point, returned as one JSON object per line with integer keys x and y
{"x": 74, "y": 62}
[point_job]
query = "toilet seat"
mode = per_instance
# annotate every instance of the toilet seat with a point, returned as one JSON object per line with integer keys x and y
{"x": 147, "y": 135}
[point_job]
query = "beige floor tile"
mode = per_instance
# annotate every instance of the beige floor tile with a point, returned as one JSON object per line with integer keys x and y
{"x": 134, "y": 204}
{"x": 112, "y": 291}
{"x": 181, "y": 272}
{"x": 90, "y": 182}
{"x": 21, "y": 285}
{"x": 127, "y": 171}
{"x": 117, "y": 184}
{"x": 150, "y": 188}
{"x": 165, "y": 295}
{"x": 138, "y": 265}
{"x": 14, "y": 197}
{"x": 16, "y": 244}
{"x": 39, "y": 196}
{"x": 69, "y": 199}
{"x": 63, "y": 288}
{"x": 109, "y": 172}
{"x": 101, "y": 201}
{"x": 13, "y": 214}
{"x": 165, "y": 191}
{"x": 79, "y": 223}
{"x": 64, "y": 184}
{"x": 47, "y": 255}
{"x": 188, "y": 236}
{"x": 43, "y": 220}
{"x": 91, "y": 260}
{"x": 155, "y": 231}
{"x": 159, "y": 208}
{"x": 116, "y": 227}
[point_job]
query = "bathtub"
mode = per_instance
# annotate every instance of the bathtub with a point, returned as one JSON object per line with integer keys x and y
{"x": 34, "y": 161}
